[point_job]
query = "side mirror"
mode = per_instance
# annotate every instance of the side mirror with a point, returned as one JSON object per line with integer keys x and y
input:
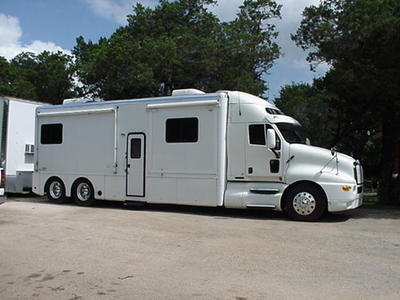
{"x": 308, "y": 142}
{"x": 271, "y": 139}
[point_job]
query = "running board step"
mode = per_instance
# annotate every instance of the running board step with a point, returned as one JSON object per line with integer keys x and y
{"x": 260, "y": 206}
{"x": 264, "y": 191}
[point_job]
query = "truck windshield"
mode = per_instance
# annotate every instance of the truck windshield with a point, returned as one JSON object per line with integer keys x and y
{"x": 292, "y": 133}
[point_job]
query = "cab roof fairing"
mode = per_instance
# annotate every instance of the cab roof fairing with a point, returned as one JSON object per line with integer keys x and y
{"x": 245, "y": 98}
{"x": 281, "y": 119}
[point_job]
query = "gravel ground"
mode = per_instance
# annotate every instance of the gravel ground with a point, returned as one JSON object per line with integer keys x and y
{"x": 50, "y": 251}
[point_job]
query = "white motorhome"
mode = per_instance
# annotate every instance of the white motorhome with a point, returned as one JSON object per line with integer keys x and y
{"x": 228, "y": 149}
{"x": 17, "y": 120}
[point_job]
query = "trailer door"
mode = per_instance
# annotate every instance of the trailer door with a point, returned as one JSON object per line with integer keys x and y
{"x": 135, "y": 165}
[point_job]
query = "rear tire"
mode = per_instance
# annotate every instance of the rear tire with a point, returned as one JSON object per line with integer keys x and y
{"x": 83, "y": 192}
{"x": 305, "y": 202}
{"x": 55, "y": 190}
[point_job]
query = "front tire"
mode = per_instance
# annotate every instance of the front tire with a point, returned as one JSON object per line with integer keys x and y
{"x": 55, "y": 190}
{"x": 83, "y": 193}
{"x": 305, "y": 202}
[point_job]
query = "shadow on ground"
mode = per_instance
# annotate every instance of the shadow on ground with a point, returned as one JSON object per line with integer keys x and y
{"x": 221, "y": 213}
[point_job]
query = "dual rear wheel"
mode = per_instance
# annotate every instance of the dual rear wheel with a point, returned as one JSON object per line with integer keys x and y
{"x": 55, "y": 190}
{"x": 82, "y": 191}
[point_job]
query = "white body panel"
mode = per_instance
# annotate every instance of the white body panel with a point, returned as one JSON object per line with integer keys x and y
{"x": 122, "y": 148}
{"x": 96, "y": 145}
{"x": 18, "y": 130}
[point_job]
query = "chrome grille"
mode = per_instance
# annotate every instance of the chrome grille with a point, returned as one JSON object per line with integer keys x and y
{"x": 358, "y": 173}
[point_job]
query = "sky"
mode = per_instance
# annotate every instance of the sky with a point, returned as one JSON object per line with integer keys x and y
{"x": 53, "y": 25}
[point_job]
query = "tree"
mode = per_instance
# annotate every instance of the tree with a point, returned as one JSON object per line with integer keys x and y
{"x": 6, "y": 77}
{"x": 361, "y": 41}
{"x": 308, "y": 105}
{"x": 180, "y": 44}
{"x": 47, "y": 77}
{"x": 248, "y": 47}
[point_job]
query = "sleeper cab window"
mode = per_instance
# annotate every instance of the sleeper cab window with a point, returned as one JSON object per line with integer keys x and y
{"x": 182, "y": 130}
{"x": 257, "y": 134}
{"x": 51, "y": 134}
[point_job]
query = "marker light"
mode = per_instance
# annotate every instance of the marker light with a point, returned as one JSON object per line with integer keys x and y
{"x": 346, "y": 188}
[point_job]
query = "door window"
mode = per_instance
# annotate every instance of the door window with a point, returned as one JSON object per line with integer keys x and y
{"x": 136, "y": 148}
{"x": 257, "y": 134}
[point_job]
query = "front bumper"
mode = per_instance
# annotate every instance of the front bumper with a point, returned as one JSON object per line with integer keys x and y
{"x": 339, "y": 200}
{"x": 345, "y": 204}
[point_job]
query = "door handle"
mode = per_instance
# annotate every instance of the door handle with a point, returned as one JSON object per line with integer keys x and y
{"x": 129, "y": 165}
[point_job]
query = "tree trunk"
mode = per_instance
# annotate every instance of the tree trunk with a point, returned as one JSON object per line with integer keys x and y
{"x": 389, "y": 191}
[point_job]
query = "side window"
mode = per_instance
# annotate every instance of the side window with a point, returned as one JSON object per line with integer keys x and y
{"x": 51, "y": 134}
{"x": 182, "y": 130}
{"x": 257, "y": 134}
{"x": 136, "y": 148}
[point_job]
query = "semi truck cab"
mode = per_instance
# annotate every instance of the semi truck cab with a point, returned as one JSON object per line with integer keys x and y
{"x": 271, "y": 164}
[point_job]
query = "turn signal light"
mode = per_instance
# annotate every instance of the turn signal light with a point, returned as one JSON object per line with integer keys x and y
{"x": 346, "y": 188}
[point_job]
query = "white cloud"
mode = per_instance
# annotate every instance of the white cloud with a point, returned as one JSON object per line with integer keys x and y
{"x": 10, "y": 32}
{"x": 10, "y": 40}
{"x": 116, "y": 10}
{"x": 226, "y": 10}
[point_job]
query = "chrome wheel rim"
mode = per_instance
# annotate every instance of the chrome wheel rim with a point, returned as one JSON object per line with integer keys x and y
{"x": 55, "y": 190}
{"x": 304, "y": 203}
{"x": 83, "y": 191}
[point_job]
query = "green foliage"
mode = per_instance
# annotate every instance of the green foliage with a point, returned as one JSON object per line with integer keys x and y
{"x": 352, "y": 32}
{"x": 180, "y": 44}
{"x": 6, "y": 77}
{"x": 47, "y": 77}
{"x": 361, "y": 40}
{"x": 311, "y": 108}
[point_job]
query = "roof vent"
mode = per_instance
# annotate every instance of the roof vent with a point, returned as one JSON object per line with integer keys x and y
{"x": 187, "y": 92}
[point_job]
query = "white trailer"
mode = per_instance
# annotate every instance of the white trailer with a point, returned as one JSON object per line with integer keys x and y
{"x": 17, "y": 120}
{"x": 228, "y": 149}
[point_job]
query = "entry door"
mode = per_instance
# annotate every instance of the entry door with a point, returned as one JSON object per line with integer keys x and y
{"x": 135, "y": 165}
{"x": 262, "y": 164}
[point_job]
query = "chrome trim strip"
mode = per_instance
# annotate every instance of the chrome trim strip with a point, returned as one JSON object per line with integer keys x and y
{"x": 260, "y": 206}
{"x": 264, "y": 191}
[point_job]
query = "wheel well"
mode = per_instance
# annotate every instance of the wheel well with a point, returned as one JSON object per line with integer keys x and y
{"x": 46, "y": 186}
{"x": 297, "y": 183}
{"x": 78, "y": 180}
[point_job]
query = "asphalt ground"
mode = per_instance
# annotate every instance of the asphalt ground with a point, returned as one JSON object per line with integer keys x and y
{"x": 111, "y": 251}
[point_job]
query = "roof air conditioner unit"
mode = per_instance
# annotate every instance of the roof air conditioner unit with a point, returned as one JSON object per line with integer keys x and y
{"x": 184, "y": 92}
